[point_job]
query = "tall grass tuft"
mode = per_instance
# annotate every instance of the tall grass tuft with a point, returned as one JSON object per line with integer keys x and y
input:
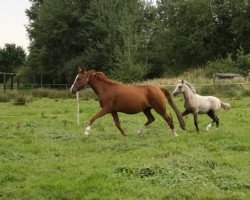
{"x": 50, "y": 93}
{"x": 54, "y": 93}
{"x": 7, "y": 96}
{"x": 20, "y": 100}
{"x": 4, "y": 97}
{"x": 228, "y": 90}
{"x": 87, "y": 94}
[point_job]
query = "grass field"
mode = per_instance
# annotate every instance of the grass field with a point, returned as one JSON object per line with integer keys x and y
{"x": 43, "y": 154}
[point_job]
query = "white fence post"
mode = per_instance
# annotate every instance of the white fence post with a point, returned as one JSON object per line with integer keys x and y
{"x": 77, "y": 108}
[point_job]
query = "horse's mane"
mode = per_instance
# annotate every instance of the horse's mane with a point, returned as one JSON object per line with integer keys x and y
{"x": 190, "y": 86}
{"x": 102, "y": 77}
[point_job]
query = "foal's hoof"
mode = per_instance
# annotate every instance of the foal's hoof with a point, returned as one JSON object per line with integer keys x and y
{"x": 86, "y": 134}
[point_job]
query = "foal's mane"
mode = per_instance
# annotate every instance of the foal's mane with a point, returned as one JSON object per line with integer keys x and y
{"x": 190, "y": 86}
{"x": 101, "y": 77}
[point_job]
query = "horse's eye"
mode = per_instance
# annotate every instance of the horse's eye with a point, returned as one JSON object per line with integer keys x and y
{"x": 180, "y": 86}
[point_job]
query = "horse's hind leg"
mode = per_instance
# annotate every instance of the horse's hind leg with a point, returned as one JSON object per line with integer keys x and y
{"x": 117, "y": 122}
{"x": 150, "y": 117}
{"x": 169, "y": 120}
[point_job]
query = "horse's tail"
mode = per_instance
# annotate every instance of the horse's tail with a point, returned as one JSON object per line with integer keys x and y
{"x": 172, "y": 104}
{"x": 225, "y": 106}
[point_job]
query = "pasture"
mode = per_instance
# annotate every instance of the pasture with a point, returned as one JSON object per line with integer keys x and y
{"x": 43, "y": 154}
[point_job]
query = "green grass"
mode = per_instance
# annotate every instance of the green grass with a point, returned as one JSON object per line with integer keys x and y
{"x": 43, "y": 154}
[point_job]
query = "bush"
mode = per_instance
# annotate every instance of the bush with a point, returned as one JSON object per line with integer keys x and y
{"x": 7, "y": 96}
{"x": 226, "y": 65}
{"x": 4, "y": 97}
{"x": 246, "y": 93}
{"x": 128, "y": 72}
{"x": 50, "y": 93}
{"x": 243, "y": 63}
{"x": 228, "y": 90}
{"x": 56, "y": 94}
{"x": 20, "y": 100}
{"x": 87, "y": 94}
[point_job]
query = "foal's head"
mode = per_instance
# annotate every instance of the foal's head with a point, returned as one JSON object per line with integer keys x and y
{"x": 181, "y": 87}
{"x": 81, "y": 81}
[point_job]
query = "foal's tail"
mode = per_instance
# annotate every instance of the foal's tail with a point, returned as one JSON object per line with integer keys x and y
{"x": 225, "y": 106}
{"x": 172, "y": 104}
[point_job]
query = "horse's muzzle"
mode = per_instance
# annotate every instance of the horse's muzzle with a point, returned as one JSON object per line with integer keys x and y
{"x": 72, "y": 91}
{"x": 175, "y": 94}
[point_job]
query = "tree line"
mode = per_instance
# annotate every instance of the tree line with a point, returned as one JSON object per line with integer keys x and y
{"x": 132, "y": 40}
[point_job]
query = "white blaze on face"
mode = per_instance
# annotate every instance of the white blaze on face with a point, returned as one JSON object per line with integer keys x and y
{"x": 175, "y": 92}
{"x": 73, "y": 84}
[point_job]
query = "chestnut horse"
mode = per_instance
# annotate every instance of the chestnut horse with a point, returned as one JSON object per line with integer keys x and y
{"x": 116, "y": 97}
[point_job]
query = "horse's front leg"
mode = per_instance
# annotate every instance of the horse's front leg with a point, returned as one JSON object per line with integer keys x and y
{"x": 196, "y": 120}
{"x": 93, "y": 118}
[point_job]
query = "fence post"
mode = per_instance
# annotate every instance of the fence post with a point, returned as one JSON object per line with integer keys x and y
{"x": 41, "y": 82}
{"x": 33, "y": 81}
{"x": 17, "y": 81}
{"x": 4, "y": 82}
{"x": 77, "y": 108}
{"x": 12, "y": 81}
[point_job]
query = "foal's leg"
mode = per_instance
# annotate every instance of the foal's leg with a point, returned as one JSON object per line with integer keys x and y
{"x": 215, "y": 119}
{"x": 196, "y": 120}
{"x": 211, "y": 115}
{"x": 93, "y": 118}
{"x": 117, "y": 123}
{"x": 186, "y": 112}
{"x": 150, "y": 117}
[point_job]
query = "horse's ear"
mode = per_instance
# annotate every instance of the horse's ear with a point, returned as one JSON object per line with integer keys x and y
{"x": 182, "y": 81}
{"x": 80, "y": 69}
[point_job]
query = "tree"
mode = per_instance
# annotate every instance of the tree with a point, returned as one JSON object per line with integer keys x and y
{"x": 232, "y": 26}
{"x": 183, "y": 34}
{"x": 116, "y": 47}
{"x": 12, "y": 57}
{"x": 131, "y": 39}
{"x": 57, "y": 35}
{"x": 64, "y": 32}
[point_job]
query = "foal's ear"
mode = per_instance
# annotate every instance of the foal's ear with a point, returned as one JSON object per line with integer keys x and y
{"x": 182, "y": 81}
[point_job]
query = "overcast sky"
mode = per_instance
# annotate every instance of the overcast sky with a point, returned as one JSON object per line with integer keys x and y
{"x": 12, "y": 22}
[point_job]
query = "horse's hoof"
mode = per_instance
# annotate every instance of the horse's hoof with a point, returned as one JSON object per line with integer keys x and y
{"x": 174, "y": 132}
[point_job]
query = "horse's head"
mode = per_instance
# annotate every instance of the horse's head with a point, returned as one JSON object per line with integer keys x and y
{"x": 180, "y": 88}
{"x": 81, "y": 81}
